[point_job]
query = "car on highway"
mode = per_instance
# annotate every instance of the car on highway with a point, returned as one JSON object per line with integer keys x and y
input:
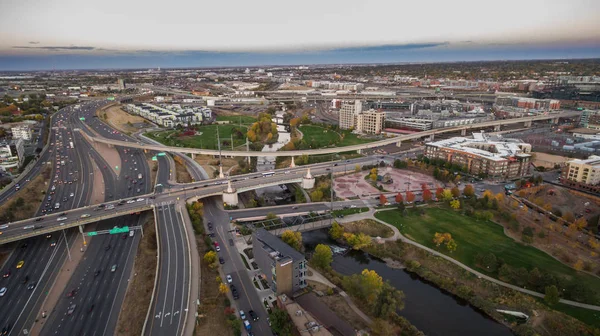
{"x": 113, "y": 268}
{"x": 25, "y": 279}
{"x": 6, "y": 275}
{"x": 139, "y": 199}
{"x": 234, "y": 292}
{"x": 97, "y": 273}
{"x": 27, "y": 227}
{"x": 31, "y": 286}
{"x": 242, "y": 315}
{"x": 107, "y": 247}
{"x": 253, "y": 315}
{"x": 71, "y": 309}
{"x": 61, "y": 219}
{"x": 221, "y": 260}
{"x": 20, "y": 264}
{"x": 53, "y": 244}
{"x": 229, "y": 278}
{"x": 109, "y": 207}
{"x": 130, "y": 201}
{"x": 48, "y": 236}
{"x": 85, "y": 216}
{"x": 3, "y": 291}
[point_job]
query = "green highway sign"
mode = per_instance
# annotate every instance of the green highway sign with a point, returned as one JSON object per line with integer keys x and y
{"x": 116, "y": 167}
{"x": 82, "y": 119}
{"x": 161, "y": 154}
{"x": 93, "y": 233}
{"x": 116, "y": 230}
{"x": 154, "y": 158}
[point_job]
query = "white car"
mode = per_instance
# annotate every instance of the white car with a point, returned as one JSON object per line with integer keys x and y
{"x": 3, "y": 291}
{"x": 85, "y": 215}
{"x": 72, "y": 195}
{"x": 61, "y": 219}
{"x": 140, "y": 199}
{"x": 229, "y": 278}
{"x": 130, "y": 201}
{"x": 242, "y": 315}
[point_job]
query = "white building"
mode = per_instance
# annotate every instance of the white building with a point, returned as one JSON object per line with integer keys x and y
{"x": 170, "y": 115}
{"x": 352, "y": 116}
{"x": 12, "y": 154}
{"x": 21, "y": 132}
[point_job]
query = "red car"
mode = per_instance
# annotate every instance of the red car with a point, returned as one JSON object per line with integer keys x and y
{"x": 6, "y": 275}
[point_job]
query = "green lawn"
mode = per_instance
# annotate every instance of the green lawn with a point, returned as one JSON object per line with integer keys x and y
{"x": 245, "y": 120}
{"x": 349, "y": 211}
{"x": 320, "y": 137}
{"x": 475, "y": 237}
{"x": 207, "y": 139}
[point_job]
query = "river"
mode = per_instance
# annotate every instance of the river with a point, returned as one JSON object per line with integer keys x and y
{"x": 428, "y": 308}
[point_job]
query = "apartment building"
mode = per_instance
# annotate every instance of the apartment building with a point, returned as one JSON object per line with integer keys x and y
{"x": 170, "y": 115}
{"x": 12, "y": 154}
{"x": 352, "y": 116}
{"x": 283, "y": 267}
{"x": 583, "y": 171}
{"x": 529, "y": 103}
{"x": 494, "y": 157}
{"x": 21, "y": 132}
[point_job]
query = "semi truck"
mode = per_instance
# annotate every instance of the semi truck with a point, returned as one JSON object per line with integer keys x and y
{"x": 71, "y": 143}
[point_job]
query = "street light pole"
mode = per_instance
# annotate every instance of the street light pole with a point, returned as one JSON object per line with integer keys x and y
{"x": 67, "y": 243}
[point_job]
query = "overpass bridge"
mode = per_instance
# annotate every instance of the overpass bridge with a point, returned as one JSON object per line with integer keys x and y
{"x": 49, "y": 223}
{"x": 526, "y": 121}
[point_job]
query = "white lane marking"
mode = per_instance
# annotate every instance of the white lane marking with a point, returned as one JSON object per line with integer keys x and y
{"x": 176, "y": 259}
{"x": 168, "y": 265}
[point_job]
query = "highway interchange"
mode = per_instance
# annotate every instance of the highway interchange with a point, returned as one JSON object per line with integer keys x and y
{"x": 89, "y": 303}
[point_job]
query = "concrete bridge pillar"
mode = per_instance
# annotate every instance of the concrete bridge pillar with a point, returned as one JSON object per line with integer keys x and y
{"x": 497, "y": 128}
{"x": 463, "y": 132}
{"x": 293, "y": 164}
{"x": 527, "y": 123}
{"x": 193, "y": 156}
{"x": 359, "y": 151}
{"x": 230, "y": 196}
{"x": 555, "y": 121}
{"x": 399, "y": 144}
{"x": 431, "y": 137}
{"x": 221, "y": 175}
{"x": 111, "y": 145}
{"x": 308, "y": 181}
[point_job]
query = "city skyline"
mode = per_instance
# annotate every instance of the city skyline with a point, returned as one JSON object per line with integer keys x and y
{"x": 120, "y": 34}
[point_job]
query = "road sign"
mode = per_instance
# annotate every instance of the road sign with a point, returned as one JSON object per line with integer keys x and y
{"x": 154, "y": 158}
{"x": 92, "y": 233}
{"x": 161, "y": 154}
{"x": 116, "y": 167}
{"x": 116, "y": 230}
{"x": 82, "y": 119}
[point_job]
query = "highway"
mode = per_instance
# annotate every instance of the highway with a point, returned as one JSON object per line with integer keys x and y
{"x": 42, "y": 261}
{"x": 333, "y": 150}
{"x": 98, "y": 290}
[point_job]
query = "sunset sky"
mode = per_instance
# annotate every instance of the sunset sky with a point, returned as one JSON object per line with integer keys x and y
{"x": 123, "y": 33}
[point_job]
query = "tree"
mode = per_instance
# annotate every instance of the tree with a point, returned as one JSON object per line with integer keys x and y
{"x": 357, "y": 241}
{"x": 271, "y": 215}
{"x": 535, "y": 277}
{"x": 427, "y": 196}
{"x": 382, "y": 199}
{"x": 281, "y": 322}
{"x": 569, "y": 217}
{"x": 439, "y": 192}
{"x": 366, "y": 286}
{"x": 410, "y": 197}
{"x": 373, "y": 174}
{"x": 316, "y": 196}
{"x": 455, "y": 192}
{"x": 455, "y": 204}
{"x": 581, "y": 223}
{"x": 447, "y": 195}
{"x": 440, "y": 238}
{"x": 469, "y": 190}
{"x": 399, "y": 198}
{"x": 292, "y": 238}
{"x": 357, "y": 168}
{"x": 223, "y": 289}
{"x": 451, "y": 245}
{"x": 210, "y": 257}
{"x": 578, "y": 265}
{"x": 381, "y": 327}
{"x": 322, "y": 257}
{"x": 388, "y": 302}
{"x": 337, "y": 231}
{"x": 551, "y": 295}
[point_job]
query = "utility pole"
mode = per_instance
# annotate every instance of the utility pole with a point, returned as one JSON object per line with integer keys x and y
{"x": 67, "y": 243}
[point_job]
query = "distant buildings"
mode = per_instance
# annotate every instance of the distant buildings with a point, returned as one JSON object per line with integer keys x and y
{"x": 494, "y": 157}
{"x": 21, "y": 132}
{"x": 352, "y": 116}
{"x": 583, "y": 171}
{"x": 12, "y": 154}
{"x": 336, "y": 85}
{"x": 170, "y": 115}
{"x": 304, "y": 322}
{"x": 529, "y": 103}
{"x": 284, "y": 267}
{"x": 121, "y": 84}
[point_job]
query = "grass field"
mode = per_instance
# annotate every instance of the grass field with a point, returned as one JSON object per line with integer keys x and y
{"x": 349, "y": 211}
{"x": 320, "y": 137}
{"x": 207, "y": 139}
{"x": 475, "y": 237}
{"x": 235, "y": 120}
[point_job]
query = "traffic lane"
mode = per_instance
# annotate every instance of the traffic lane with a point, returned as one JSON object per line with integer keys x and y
{"x": 249, "y": 299}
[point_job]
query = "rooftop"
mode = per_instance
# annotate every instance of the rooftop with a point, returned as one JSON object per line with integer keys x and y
{"x": 503, "y": 148}
{"x": 273, "y": 242}
{"x": 303, "y": 320}
{"x": 593, "y": 160}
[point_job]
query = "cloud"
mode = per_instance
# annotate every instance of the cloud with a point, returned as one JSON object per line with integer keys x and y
{"x": 394, "y": 47}
{"x": 55, "y": 48}
{"x": 34, "y": 42}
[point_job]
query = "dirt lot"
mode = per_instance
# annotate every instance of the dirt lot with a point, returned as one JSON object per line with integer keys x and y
{"x": 211, "y": 164}
{"x": 31, "y": 196}
{"x": 137, "y": 299}
{"x": 120, "y": 119}
{"x": 181, "y": 173}
{"x": 548, "y": 160}
{"x": 564, "y": 199}
{"x": 369, "y": 227}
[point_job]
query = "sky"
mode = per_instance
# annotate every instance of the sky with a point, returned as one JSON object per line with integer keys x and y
{"x": 70, "y": 34}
